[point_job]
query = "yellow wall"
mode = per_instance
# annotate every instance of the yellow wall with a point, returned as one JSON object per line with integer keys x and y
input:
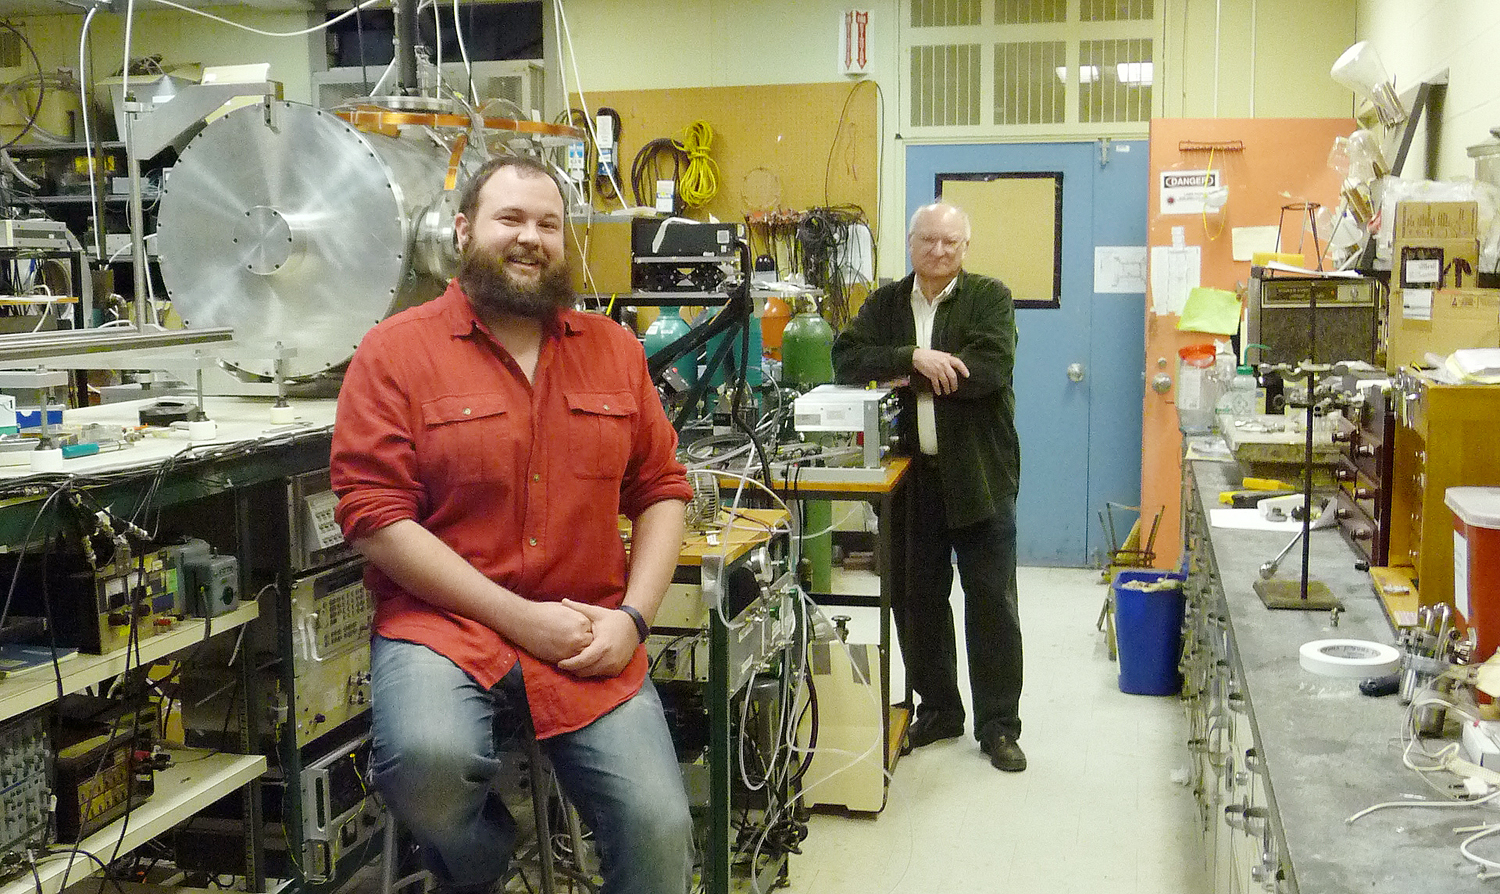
{"x": 1253, "y": 58}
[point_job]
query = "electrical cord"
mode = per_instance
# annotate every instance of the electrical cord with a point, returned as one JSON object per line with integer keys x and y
{"x": 700, "y": 182}
{"x": 606, "y": 182}
{"x": 649, "y": 167}
{"x": 41, "y": 88}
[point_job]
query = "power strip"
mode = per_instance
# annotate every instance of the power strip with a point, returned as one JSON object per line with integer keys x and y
{"x": 1481, "y": 743}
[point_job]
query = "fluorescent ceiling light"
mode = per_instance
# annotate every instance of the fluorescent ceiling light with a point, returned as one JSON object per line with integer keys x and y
{"x": 1136, "y": 74}
{"x": 1087, "y": 74}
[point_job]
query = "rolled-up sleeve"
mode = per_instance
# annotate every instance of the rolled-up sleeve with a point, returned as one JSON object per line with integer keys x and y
{"x": 373, "y": 466}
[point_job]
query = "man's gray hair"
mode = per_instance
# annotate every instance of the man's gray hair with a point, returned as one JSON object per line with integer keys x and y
{"x": 936, "y": 207}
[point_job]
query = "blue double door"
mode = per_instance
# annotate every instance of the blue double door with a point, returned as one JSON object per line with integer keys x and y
{"x": 1079, "y": 365}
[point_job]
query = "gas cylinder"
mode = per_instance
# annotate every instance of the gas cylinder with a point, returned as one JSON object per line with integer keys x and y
{"x": 772, "y": 323}
{"x": 807, "y": 351}
{"x": 665, "y": 329}
{"x": 806, "y": 361}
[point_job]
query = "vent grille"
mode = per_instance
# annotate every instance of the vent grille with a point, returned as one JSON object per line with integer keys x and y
{"x": 12, "y": 52}
{"x": 945, "y": 85}
{"x": 1027, "y": 87}
{"x": 1030, "y": 12}
{"x": 1119, "y": 88}
{"x": 945, "y": 13}
{"x": 1115, "y": 10}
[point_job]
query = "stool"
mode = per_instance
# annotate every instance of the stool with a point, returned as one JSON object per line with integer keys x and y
{"x": 542, "y": 783}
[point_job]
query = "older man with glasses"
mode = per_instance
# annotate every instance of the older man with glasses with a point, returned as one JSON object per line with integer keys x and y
{"x": 952, "y": 335}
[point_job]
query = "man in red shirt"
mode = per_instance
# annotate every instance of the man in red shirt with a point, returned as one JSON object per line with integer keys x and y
{"x": 485, "y": 444}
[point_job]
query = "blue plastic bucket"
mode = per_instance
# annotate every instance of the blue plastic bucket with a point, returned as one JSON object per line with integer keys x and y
{"x": 1148, "y": 632}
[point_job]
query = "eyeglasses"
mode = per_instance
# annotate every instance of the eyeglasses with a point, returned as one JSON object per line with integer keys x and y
{"x": 927, "y": 240}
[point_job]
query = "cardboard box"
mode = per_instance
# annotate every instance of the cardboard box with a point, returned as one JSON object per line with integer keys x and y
{"x": 1434, "y": 309}
{"x": 1460, "y": 318}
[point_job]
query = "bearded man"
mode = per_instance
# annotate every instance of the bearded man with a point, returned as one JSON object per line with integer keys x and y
{"x": 486, "y": 443}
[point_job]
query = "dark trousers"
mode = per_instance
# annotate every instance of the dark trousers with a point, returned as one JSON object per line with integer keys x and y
{"x": 986, "y": 554}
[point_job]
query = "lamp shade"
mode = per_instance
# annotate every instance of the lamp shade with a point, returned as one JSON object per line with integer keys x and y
{"x": 1360, "y": 70}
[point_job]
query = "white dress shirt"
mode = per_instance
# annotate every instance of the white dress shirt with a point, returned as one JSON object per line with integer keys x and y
{"x": 925, "y": 312}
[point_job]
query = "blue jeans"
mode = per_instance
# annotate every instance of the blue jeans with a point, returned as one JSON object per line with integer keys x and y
{"x": 434, "y": 760}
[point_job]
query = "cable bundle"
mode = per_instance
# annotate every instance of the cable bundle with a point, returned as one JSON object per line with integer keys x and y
{"x": 700, "y": 182}
{"x": 827, "y": 256}
{"x": 650, "y": 165}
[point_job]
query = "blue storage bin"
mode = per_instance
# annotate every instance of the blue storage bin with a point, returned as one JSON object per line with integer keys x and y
{"x": 1148, "y": 630}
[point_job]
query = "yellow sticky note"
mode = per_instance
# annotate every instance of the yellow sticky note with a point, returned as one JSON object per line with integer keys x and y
{"x": 1211, "y": 310}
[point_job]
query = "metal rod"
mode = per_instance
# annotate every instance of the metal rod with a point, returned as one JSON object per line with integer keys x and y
{"x": 406, "y": 45}
{"x": 24, "y": 347}
{"x": 137, "y": 217}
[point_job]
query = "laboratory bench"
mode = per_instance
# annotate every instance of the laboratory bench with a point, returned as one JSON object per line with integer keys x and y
{"x": 1282, "y": 757}
{"x": 220, "y": 488}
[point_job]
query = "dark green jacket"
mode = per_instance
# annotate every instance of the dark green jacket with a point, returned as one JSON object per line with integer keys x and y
{"x": 978, "y": 450}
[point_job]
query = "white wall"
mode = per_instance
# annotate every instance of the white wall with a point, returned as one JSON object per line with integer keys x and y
{"x": 1420, "y": 39}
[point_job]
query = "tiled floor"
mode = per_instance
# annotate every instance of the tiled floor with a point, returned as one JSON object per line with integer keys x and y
{"x": 1101, "y": 807}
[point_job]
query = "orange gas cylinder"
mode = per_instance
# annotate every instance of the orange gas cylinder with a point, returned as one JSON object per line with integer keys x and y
{"x": 772, "y": 324}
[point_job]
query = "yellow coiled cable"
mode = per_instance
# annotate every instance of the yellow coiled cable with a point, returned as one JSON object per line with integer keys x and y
{"x": 700, "y": 182}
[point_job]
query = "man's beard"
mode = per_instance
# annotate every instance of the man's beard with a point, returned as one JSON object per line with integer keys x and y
{"x": 493, "y": 290}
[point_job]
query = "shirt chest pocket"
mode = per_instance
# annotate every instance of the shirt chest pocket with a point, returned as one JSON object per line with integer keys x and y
{"x": 469, "y": 438}
{"x": 599, "y": 429}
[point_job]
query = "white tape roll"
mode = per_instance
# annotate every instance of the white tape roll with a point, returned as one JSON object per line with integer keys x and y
{"x": 1348, "y": 658}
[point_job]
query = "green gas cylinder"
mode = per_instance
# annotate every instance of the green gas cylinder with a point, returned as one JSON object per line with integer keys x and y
{"x": 807, "y": 351}
{"x": 807, "y": 361}
{"x": 665, "y": 329}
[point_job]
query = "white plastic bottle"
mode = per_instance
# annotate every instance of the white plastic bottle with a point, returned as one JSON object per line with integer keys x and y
{"x": 1242, "y": 392}
{"x": 1237, "y": 402}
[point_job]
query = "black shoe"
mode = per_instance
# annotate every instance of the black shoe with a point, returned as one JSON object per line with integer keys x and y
{"x": 1004, "y": 753}
{"x": 932, "y": 727}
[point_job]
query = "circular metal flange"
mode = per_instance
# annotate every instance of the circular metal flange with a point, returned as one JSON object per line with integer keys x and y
{"x": 287, "y": 224}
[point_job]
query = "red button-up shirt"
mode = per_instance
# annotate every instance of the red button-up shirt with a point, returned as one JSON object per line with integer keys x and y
{"x": 436, "y": 423}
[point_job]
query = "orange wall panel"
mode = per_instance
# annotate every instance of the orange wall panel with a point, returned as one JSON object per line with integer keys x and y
{"x": 1281, "y": 161}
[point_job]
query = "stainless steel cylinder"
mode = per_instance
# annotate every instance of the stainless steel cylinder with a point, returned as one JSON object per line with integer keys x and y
{"x": 300, "y": 231}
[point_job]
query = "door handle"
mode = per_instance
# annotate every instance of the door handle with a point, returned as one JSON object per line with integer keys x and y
{"x": 1161, "y": 383}
{"x": 1075, "y": 372}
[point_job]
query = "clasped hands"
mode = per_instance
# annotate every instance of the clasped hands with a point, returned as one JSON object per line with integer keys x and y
{"x": 584, "y": 640}
{"x": 941, "y": 369}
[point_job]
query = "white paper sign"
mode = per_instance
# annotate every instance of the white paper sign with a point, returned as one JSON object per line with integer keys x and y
{"x": 1416, "y": 304}
{"x": 1461, "y": 574}
{"x": 1423, "y": 270}
{"x": 1186, "y": 192}
{"x": 1247, "y": 241}
{"x": 1174, "y": 273}
{"x": 1120, "y": 269}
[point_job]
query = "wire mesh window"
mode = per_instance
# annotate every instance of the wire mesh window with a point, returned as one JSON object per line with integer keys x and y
{"x": 1115, "y": 10}
{"x": 1030, "y": 12}
{"x": 945, "y": 85}
{"x": 1030, "y": 82}
{"x": 1115, "y": 81}
{"x": 945, "y": 13}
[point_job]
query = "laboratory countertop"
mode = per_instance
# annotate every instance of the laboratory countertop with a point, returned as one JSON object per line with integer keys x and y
{"x": 1330, "y": 751}
{"x": 239, "y": 422}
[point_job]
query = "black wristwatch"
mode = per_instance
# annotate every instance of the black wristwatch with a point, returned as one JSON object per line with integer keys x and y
{"x": 641, "y": 627}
